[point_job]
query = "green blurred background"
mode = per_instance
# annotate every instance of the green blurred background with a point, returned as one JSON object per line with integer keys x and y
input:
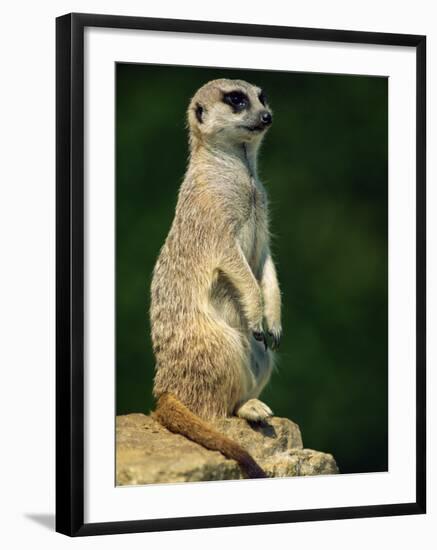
{"x": 325, "y": 165}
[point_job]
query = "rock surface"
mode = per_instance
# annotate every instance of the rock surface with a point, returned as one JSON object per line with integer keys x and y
{"x": 148, "y": 453}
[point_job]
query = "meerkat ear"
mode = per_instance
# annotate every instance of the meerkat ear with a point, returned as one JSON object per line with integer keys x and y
{"x": 199, "y": 112}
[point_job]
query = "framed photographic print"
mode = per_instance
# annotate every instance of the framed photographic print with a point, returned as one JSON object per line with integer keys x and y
{"x": 240, "y": 274}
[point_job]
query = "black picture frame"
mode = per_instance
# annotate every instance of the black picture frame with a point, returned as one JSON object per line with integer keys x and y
{"x": 70, "y": 273}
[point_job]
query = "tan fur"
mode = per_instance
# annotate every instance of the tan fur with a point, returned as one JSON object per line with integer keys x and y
{"x": 214, "y": 282}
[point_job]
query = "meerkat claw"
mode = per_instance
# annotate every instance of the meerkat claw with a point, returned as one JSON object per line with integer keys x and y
{"x": 276, "y": 339}
{"x": 260, "y": 337}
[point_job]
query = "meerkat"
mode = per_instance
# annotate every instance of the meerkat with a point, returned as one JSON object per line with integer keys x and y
{"x": 215, "y": 300}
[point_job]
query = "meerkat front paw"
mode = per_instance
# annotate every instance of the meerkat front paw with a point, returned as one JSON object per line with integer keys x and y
{"x": 260, "y": 336}
{"x": 275, "y": 333}
{"x": 254, "y": 410}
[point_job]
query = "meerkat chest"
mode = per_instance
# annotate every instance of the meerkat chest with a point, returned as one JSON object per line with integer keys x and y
{"x": 253, "y": 235}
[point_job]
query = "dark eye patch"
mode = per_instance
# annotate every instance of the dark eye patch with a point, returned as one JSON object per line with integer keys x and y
{"x": 263, "y": 98}
{"x": 199, "y": 112}
{"x": 237, "y": 100}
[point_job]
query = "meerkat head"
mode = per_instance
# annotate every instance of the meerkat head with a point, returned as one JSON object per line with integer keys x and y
{"x": 228, "y": 112}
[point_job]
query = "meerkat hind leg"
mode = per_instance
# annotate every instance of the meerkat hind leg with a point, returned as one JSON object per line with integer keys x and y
{"x": 254, "y": 410}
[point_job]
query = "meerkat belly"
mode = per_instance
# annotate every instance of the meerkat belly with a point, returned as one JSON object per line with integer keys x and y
{"x": 253, "y": 239}
{"x": 253, "y": 236}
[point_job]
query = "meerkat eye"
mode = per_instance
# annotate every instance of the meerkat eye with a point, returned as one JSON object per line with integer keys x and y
{"x": 262, "y": 98}
{"x": 237, "y": 100}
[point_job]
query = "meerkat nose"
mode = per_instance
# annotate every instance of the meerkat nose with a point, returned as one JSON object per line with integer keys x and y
{"x": 266, "y": 118}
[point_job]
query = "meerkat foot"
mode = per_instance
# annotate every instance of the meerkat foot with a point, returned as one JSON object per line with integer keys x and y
{"x": 254, "y": 410}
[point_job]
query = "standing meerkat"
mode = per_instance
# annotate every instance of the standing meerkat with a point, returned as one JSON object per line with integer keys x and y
{"x": 214, "y": 295}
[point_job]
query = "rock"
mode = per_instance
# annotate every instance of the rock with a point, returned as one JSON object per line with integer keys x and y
{"x": 148, "y": 453}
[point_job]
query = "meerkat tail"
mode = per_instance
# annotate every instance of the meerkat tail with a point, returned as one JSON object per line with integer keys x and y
{"x": 177, "y": 418}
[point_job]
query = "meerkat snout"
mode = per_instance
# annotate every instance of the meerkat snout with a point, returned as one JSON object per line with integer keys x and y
{"x": 266, "y": 118}
{"x": 229, "y": 111}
